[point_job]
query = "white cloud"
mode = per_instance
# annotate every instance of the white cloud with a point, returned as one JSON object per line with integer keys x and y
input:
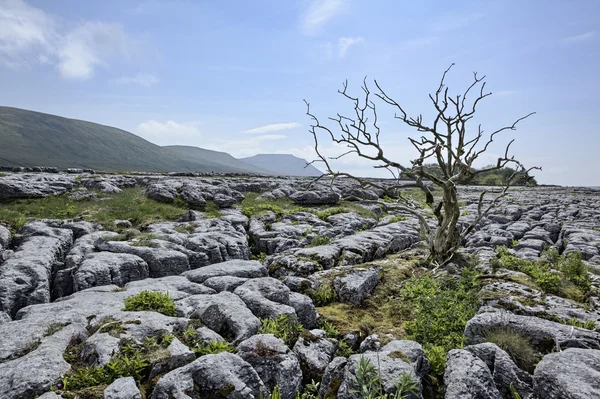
{"x": 579, "y": 38}
{"x": 345, "y": 43}
{"x": 276, "y": 127}
{"x": 140, "y": 79}
{"x": 167, "y": 132}
{"x": 319, "y": 13}
{"x": 29, "y": 36}
{"x": 23, "y": 30}
{"x": 88, "y": 45}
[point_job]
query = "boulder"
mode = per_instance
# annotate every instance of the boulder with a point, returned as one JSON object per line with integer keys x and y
{"x": 569, "y": 374}
{"x": 104, "y": 268}
{"x": 211, "y": 376}
{"x": 357, "y": 285}
{"x": 315, "y": 197}
{"x": 122, "y": 388}
{"x": 235, "y": 268}
{"x": 468, "y": 377}
{"x": 315, "y": 353}
{"x": 274, "y": 362}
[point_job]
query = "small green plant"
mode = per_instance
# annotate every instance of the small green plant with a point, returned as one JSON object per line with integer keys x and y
{"x": 465, "y": 212}
{"x": 343, "y": 349}
{"x": 396, "y": 219}
{"x": 54, "y": 328}
{"x": 212, "y": 347}
{"x": 516, "y": 345}
{"x": 319, "y": 240}
{"x": 154, "y": 301}
{"x": 283, "y": 327}
{"x": 370, "y": 387}
{"x": 323, "y": 295}
{"x": 513, "y": 391}
{"x": 329, "y": 328}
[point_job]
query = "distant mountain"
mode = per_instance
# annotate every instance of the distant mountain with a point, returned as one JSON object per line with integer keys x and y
{"x": 282, "y": 164}
{"x": 217, "y": 158}
{"x": 29, "y": 138}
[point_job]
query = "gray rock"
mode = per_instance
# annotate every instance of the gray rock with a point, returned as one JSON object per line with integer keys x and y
{"x": 27, "y": 274}
{"x": 357, "y": 285}
{"x": 315, "y": 197}
{"x": 122, "y": 388}
{"x": 570, "y": 374}
{"x": 467, "y": 376}
{"x": 266, "y": 297}
{"x": 35, "y": 185}
{"x": 332, "y": 378}
{"x": 178, "y": 356}
{"x": 315, "y": 353}
{"x": 305, "y": 309}
{"x": 99, "y": 349}
{"x": 274, "y": 362}
{"x": 4, "y": 317}
{"x": 504, "y": 371}
{"x": 224, "y": 283}
{"x": 541, "y": 333}
{"x": 161, "y": 262}
{"x": 4, "y": 238}
{"x": 208, "y": 376}
{"x": 236, "y": 268}
{"x": 224, "y": 313}
{"x": 104, "y": 268}
{"x": 35, "y": 372}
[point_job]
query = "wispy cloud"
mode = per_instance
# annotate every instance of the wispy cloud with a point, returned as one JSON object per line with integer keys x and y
{"x": 579, "y": 38}
{"x": 156, "y": 131}
{"x": 28, "y": 36}
{"x": 345, "y": 43}
{"x": 245, "y": 147}
{"x": 140, "y": 79}
{"x": 276, "y": 127}
{"x": 319, "y": 13}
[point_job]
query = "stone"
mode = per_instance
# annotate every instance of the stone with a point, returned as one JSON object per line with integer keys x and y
{"x": 104, "y": 268}
{"x": 357, "y": 285}
{"x": 467, "y": 376}
{"x": 209, "y": 376}
{"x": 235, "y": 268}
{"x": 315, "y": 197}
{"x": 569, "y": 374}
{"x": 274, "y": 362}
{"x": 122, "y": 388}
{"x": 315, "y": 353}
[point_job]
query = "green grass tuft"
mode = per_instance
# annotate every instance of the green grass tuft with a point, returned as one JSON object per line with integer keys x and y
{"x": 154, "y": 301}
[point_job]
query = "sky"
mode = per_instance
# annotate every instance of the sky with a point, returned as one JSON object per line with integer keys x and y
{"x": 231, "y": 75}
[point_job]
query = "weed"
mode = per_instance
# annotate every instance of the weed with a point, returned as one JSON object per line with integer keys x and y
{"x": 212, "y": 347}
{"x": 516, "y": 345}
{"x": 283, "y": 327}
{"x": 155, "y": 301}
{"x": 370, "y": 387}
{"x": 54, "y": 328}
{"x": 330, "y": 330}
{"x": 319, "y": 240}
{"x": 343, "y": 349}
{"x": 323, "y": 295}
{"x": 186, "y": 228}
{"x": 440, "y": 310}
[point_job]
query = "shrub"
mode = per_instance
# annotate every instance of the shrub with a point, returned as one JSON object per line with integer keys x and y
{"x": 516, "y": 345}
{"x": 440, "y": 311}
{"x": 154, "y": 301}
{"x": 283, "y": 327}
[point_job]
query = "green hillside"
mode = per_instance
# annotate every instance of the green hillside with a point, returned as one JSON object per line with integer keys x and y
{"x": 29, "y": 138}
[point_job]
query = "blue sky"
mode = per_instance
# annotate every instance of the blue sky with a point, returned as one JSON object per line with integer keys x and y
{"x": 231, "y": 75}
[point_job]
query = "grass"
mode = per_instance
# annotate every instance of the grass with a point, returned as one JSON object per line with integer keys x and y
{"x": 154, "y": 301}
{"x": 131, "y": 204}
{"x": 319, "y": 240}
{"x": 380, "y": 312}
{"x": 516, "y": 345}
{"x": 54, "y": 328}
{"x": 212, "y": 347}
{"x": 565, "y": 276}
{"x": 251, "y": 206}
{"x": 283, "y": 327}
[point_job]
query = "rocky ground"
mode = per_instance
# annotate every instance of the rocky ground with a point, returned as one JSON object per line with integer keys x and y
{"x": 264, "y": 285}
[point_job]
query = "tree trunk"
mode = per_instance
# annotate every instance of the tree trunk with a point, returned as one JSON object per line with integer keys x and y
{"x": 445, "y": 238}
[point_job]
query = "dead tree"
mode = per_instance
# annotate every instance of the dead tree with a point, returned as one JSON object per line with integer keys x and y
{"x": 444, "y": 142}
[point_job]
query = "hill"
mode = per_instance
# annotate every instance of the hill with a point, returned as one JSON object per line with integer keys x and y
{"x": 283, "y": 164}
{"x": 217, "y": 158}
{"x": 30, "y": 138}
